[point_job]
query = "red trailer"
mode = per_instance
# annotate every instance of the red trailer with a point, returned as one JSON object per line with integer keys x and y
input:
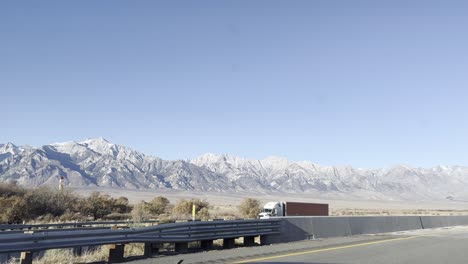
{"x": 305, "y": 209}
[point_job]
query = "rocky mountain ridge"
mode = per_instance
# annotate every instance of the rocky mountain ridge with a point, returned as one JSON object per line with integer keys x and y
{"x": 98, "y": 162}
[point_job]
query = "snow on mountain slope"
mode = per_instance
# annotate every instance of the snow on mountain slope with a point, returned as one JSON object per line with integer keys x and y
{"x": 98, "y": 162}
{"x": 399, "y": 181}
{"x": 8, "y": 150}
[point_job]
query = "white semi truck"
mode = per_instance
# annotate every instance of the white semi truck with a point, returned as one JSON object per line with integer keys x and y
{"x": 274, "y": 209}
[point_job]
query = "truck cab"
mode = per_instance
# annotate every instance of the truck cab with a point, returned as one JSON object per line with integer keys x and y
{"x": 272, "y": 209}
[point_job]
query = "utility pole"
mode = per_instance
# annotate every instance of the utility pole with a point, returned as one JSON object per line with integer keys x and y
{"x": 61, "y": 184}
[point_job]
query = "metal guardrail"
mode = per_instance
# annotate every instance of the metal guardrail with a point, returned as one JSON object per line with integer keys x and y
{"x": 62, "y": 225}
{"x": 56, "y": 230}
{"x": 167, "y": 233}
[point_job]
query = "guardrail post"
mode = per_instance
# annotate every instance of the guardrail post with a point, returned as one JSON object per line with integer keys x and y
{"x": 151, "y": 249}
{"x": 264, "y": 240}
{"x": 249, "y": 241}
{"x": 181, "y": 247}
{"x": 228, "y": 243}
{"x": 207, "y": 244}
{"x": 116, "y": 253}
{"x": 26, "y": 258}
{"x": 78, "y": 251}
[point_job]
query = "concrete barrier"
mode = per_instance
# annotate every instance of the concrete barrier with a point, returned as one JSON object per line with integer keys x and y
{"x": 382, "y": 224}
{"x": 457, "y": 220}
{"x": 434, "y": 221}
{"x": 330, "y": 226}
{"x": 292, "y": 229}
{"x": 443, "y": 221}
{"x": 304, "y": 228}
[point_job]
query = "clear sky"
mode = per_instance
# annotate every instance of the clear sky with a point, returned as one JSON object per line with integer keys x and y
{"x": 362, "y": 83}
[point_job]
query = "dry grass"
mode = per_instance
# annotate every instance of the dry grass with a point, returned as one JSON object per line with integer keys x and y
{"x": 218, "y": 243}
{"x": 67, "y": 256}
{"x": 134, "y": 249}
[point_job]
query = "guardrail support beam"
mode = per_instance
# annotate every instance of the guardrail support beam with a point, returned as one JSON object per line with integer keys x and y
{"x": 181, "y": 247}
{"x": 116, "y": 253}
{"x": 264, "y": 240}
{"x": 229, "y": 243}
{"x": 207, "y": 244}
{"x": 249, "y": 241}
{"x": 26, "y": 258}
{"x": 151, "y": 249}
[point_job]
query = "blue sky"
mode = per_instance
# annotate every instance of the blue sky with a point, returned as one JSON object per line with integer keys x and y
{"x": 364, "y": 83}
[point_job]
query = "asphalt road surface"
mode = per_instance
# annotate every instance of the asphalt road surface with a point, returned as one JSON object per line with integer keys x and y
{"x": 430, "y": 246}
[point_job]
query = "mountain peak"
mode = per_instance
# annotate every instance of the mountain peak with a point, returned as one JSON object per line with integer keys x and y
{"x": 402, "y": 167}
{"x": 209, "y": 158}
{"x": 9, "y": 148}
{"x": 275, "y": 162}
{"x": 11, "y": 145}
{"x": 101, "y": 145}
{"x": 98, "y": 140}
{"x": 276, "y": 159}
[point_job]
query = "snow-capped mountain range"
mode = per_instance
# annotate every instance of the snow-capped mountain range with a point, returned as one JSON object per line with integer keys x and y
{"x": 98, "y": 162}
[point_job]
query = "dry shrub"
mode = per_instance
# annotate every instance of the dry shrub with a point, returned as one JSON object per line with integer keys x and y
{"x": 227, "y": 215}
{"x": 13, "y": 209}
{"x": 44, "y": 200}
{"x": 183, "y": 208}
{"x": 117, "y": 217}
{"x": 250, "y": 208}
{"x": 140, "y": 212}
{"x": 96, "y": 205}
{"x": 166, "y": 220}
{"x": 44, "y": 204}
{"x": 72, "y": 216}
{"x": 10, "y": 189}
{"x": 203, "y": 214}
{"x": 158, "y": 205}
{"x": 99, "y": 205}
{"x": 31, "y": 204}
